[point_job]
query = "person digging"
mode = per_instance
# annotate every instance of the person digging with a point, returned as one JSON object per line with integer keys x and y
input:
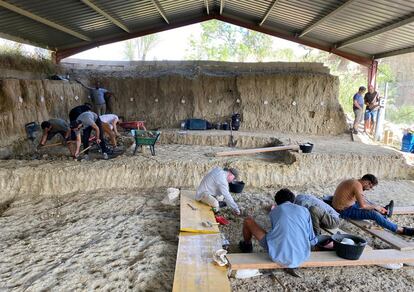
{"x": 88, "y": 121}
{"x": 51, "y": 128}
{"x": 289, "y": 241}
{"x": 350, "y": 202}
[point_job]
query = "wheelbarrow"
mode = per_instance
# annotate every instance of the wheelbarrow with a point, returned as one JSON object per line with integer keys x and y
{"x": 145, "y": 138}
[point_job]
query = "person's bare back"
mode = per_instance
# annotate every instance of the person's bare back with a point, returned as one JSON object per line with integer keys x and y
{"x": 346, "y": 194}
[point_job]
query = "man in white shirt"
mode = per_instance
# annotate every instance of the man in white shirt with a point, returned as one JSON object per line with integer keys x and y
{"x": 109, "y": 126}
{"x": 216, "y": 183}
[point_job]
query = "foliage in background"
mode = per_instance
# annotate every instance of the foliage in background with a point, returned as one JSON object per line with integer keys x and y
{"x": 138, "y": 49}
{"x": 13, "y": 56}
{"x": 220, "y": 41}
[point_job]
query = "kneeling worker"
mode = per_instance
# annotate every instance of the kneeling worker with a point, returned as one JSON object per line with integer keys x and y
{"x": 291, "y": 237}
{"x": 322, "y": 215}
{"x": 109, "y": 126}
{"x": 215, "y": 184}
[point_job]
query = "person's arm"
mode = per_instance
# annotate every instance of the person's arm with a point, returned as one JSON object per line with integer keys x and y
{"x": 312, "y": 237}
{"x": 83, "y": 85}
{"x": 363, "y": 204}
{"x": 224, "y": 190}
{"x": 97, "y": 133}
{"x": 67, "y": 134}
{"x": 114, "y": 125}
{"x": 356, "y": 104}
{"x": 43, "y": 139}
{"x": 78, "y": 143}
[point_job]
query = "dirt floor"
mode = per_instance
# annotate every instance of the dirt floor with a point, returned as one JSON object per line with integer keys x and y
{"x": 121, "y": 237}
{"x": 127, "y": 240}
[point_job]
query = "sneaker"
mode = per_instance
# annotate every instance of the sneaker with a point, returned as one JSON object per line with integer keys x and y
{"x": 355, "y": 132}
{"x": 222, "y": 204}
{"x": 408, "y": 231}
{"x": 85, "y": 157}
{"x": 390, "y": 208}
{"x": 105, "y": 156}
{"x": 245, "y": 247}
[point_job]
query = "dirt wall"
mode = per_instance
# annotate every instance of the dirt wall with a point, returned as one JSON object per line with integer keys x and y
{"x": 287, "y": 101}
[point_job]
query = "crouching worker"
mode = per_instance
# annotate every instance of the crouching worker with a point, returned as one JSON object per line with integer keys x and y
{"x": 53, "y": 127}
{"x": 291, "y": 237}
{"x": 89, "y": 121}
{"x": 215, "y": 187}
{"x": 322, "y": 215}
{"x": 109, "y": 126}
{"x": 350, "y": 202}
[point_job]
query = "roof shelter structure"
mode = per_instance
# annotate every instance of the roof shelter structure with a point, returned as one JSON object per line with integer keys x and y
{"x": 359, "y": 30}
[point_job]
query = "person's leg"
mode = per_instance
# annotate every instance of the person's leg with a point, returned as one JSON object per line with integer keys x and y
{"x": 251, "y": 228}
{"x": 85, "y": 138}
{"x": 210, "y": 201}
{"x": 356, "y": 213}
{"x": 373, "y": 121}
{"x": 358, "y": 116}
{"x": 329, "y": 222}
{"x": 101, "y": 135}
{"x": 366, "y": 121}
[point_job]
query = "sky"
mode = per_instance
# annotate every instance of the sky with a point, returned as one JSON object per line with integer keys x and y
{"x": 172, "y": 46}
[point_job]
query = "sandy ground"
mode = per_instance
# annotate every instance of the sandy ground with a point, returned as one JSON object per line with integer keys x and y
{"x": 107, "y": 240}
{"x": 127, "y": 240}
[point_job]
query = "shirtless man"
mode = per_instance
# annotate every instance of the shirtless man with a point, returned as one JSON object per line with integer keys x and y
{"x": 349, "y": 201}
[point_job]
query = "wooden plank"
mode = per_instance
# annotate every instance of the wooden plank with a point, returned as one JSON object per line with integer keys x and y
{"x": 195, "y": 269}
{"x": 257, "y": 150}
{"x": 322, "y": 259}
{"x": 191, "y": 220}
{"x": 390, "y": 238}
{"x": 403, "y": 210}
{"x": 337, "y": 230}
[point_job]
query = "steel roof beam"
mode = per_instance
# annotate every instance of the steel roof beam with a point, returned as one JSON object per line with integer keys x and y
{"x": 222, "y": 2}
{"x": 106, "y": 15}
{"x": 206, "y": 3}
{"x": 290, "y": 36}
{"x": 385, "y": 29}
{"x": 23, "y": 41}
{"x": 268, "y": 12}
{"x": 160, "y": 11}
{"x": 395, "y": 52}
{"x": 42, "y": 20}
{"x": 325, "y": 18}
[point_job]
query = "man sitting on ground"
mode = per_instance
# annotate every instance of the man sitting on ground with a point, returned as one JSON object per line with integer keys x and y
{"x": 216, "y": 184}
{"x": 291, "y": 237}
{"x": 109, "y": 126}
{"x": 51, "y": 128}
{"x": 322, "y": 215}
{"x": 89, "y": 120}
{"x": 349, "y": 201}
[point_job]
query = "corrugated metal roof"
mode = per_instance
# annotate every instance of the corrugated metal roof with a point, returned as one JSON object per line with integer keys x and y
{"x": 356, "y": 29}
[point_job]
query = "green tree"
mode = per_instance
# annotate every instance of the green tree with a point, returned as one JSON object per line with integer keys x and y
{"x": 140, "y": 47}
{"x": 221, "y": 41}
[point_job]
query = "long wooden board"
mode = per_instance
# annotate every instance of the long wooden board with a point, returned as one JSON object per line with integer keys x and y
{"x": 240, "y": 261}
{"x": 195, "y": 269}
{"x": 403, "y": 210}
{"x": 191, "y": 220}
{"x": 257, "y": 150}
{"x": 390, "y": 238}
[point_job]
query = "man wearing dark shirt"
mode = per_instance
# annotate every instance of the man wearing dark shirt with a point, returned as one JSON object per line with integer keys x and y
{"x": 77, "y": 110}
{"x": 371, "y": 101}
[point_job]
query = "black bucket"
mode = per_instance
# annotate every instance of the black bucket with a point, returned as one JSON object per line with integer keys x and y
{"x": 349, "y": 251}
{"x": 306, "y": 148}
{"x": 31, "y": 129}
{"x": 236, "y": 186}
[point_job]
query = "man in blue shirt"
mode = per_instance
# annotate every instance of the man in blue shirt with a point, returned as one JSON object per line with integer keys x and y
{"x": 97, "y": 95}
{"x": 291, "y": 237}
{"x": 358, "y": 107}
